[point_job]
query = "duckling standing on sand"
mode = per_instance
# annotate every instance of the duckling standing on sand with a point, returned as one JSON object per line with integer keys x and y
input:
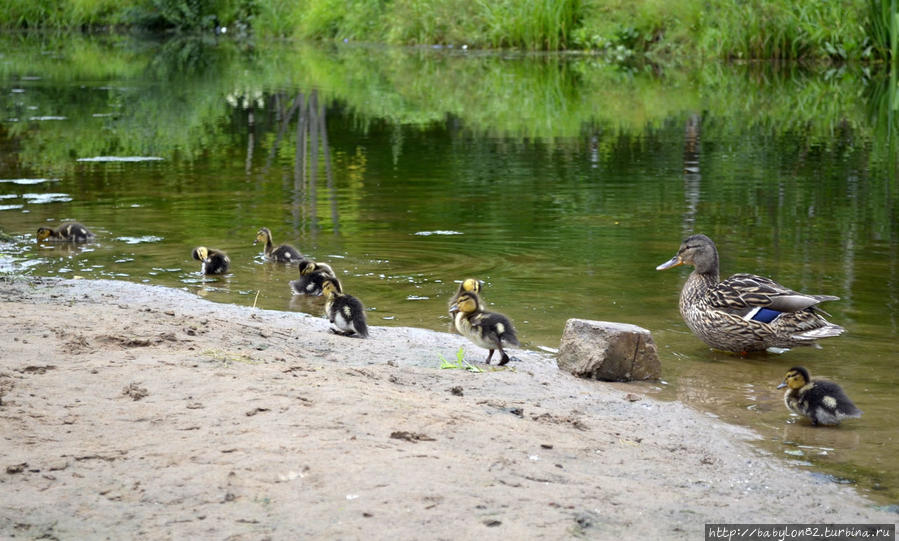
{"x": 745, "y": 312}
{"x": 70, "y": 232}
{"x": 822, "y": 401}
{"x": 489, "y": 330}
{"x": 283, "y": 253}
{"x": 312, "y": 276}
{"x": 211, "y": 261}
{"x": 345, "y": 312}
{"x": 468, "y": 285}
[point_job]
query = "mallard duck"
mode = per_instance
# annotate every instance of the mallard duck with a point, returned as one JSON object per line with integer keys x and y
{"x": 489, "y": 330}
{"x": 345, "y": 312}
{"x": 822, "y": 401}
{"x": 283, "y": 253}
{"x": 70, "y": 232}
{"x": 312, "y": 276}
{"x": 211, "y": 261}
{"x": 468, "y": 285}
{"x": 745, "y": 312}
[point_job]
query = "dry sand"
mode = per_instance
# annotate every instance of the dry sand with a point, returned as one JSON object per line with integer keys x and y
{"x": 132, "y": 411}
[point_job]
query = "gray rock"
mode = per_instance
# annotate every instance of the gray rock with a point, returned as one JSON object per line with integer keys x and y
{"x": 608, "y": 351}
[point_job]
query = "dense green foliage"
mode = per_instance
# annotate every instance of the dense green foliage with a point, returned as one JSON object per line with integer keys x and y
{"x": 620, "y": 29}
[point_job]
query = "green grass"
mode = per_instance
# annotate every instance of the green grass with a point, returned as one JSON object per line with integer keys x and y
{"x": 812, "y": 30}
{"x": 883, "y": 28}
{"x": 460, "y": 364}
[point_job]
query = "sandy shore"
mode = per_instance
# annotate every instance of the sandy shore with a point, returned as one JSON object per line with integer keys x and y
{"x": 132, "y": 411}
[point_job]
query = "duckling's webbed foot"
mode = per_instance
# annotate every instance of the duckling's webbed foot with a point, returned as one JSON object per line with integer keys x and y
{"x": 341, "y": 333}
{"x": 489, "y": 356}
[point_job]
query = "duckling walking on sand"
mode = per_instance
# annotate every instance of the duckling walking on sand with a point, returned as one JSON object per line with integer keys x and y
{"x": 468, "y": 285}
{"x": 489, "y": 330}
{"x": 345, "y": 312}
{"x": 211, "y": 261}
{"x": 822, "y": 401}
{"x": 745, "y": 312}
{"x": 283, "y": 253}
{"x": 70, "y": 232}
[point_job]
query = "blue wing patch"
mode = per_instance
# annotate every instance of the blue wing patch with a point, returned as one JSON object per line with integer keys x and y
{"x": 765, "y": 315}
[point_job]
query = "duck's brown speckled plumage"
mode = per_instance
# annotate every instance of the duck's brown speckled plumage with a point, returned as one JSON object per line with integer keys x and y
{"x": 729, "y": 315}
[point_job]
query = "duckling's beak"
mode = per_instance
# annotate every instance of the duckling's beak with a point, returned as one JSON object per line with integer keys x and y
{"x": 782, "y": 385}
{"x": 454, "y": 308}
{"x": 673, "y": 262}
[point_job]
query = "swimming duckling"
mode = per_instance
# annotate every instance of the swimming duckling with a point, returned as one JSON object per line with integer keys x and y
{"x": 822, "y": 401}
{"x": 472, "y": 285}
{"x": 212, "y": 261}
{"x": 283, "y": 253}
{"x": 486, "y": 329}
{"x": 70, "y": 232}
{"x": 745, "y": 312}
{"x": 345, "y": 312}
{"x": 312, "y": 275}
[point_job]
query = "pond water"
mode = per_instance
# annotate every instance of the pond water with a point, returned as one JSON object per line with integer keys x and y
{"x": 560, "y": 181}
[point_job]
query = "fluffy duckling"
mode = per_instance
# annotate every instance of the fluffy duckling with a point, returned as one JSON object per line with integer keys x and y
{"x": 212, "y": 261}
{"x": 486, "y": 329}
{"x": 468, "y": 285}
{"x": 312, "y": 276}
{"x": 745, "y": 312}
{"x": 69, "y": 232}
{"x": 345, "y": 312}
{"x": 283, "y": 253}
{"x": 823, "y": 402}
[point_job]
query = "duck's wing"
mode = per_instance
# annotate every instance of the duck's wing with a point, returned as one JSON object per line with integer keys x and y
{"x": 752, "y": 296}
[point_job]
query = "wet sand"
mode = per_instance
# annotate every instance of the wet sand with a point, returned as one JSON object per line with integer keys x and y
{"x": 134, "y": 411}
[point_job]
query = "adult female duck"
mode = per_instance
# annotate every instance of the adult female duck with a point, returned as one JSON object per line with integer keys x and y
{"x": 745, "y": 312}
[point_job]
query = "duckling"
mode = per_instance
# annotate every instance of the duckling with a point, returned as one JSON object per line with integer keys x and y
{"x": 822, "y": 401}
{"x": 472, "y": 285}
{"x": 745, "y": 312}
{"x": 312, "y": 275}
{"x": 283, "y": 253}
{"x": 69, "y": 232}
{"x": 345, "y": 312}
{"x": 212, "y": 261}
{"x": 486, "y": 329}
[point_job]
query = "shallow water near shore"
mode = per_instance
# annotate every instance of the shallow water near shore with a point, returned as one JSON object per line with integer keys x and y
{"x": 559, "y": 181}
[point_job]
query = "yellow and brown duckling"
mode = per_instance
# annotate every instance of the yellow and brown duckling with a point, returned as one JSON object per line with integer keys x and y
{"x": 745, "y": 312}
{"x": 345, "y": 312}
{"x": 283, "y": 253}
{"x": 312, "y": 277}
{"x": 822, "y": 401}
{"x": 68, "y": 232}
{"x": 211, "y": 261}
{"x": 468, "y": 285}
{"x": 489, "y": 330}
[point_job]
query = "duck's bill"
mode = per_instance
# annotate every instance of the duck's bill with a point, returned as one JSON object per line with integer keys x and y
{"x": 673, "y": 262}
{"x": 782, "y": 385}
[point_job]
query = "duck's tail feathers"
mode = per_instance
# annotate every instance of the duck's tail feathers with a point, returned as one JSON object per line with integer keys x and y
{"x": 826, "y": 331}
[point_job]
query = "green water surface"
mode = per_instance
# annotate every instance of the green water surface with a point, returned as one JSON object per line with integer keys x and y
{"x": 560, "y": 181}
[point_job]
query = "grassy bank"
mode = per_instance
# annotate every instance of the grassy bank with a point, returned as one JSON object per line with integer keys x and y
{"x": 753, "y": 29}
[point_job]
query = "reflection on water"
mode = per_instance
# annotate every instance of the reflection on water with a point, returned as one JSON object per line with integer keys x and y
{"x": 408, "y": 179}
